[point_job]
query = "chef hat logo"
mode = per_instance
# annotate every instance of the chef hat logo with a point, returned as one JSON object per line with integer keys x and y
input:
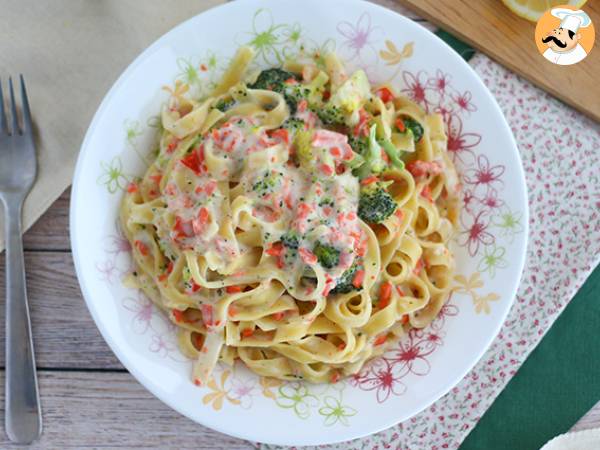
{"x": 565, "y": 35}
{"x": 571, "y": 20}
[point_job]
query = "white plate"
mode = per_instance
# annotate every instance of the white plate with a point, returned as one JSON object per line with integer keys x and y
{"x": 490, "y": 247}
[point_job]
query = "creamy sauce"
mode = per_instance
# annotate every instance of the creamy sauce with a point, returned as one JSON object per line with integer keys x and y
{"x": 317, "y": 204}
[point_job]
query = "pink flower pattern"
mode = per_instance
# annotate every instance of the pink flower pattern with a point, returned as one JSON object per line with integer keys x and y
{"x": 359, "y": 39}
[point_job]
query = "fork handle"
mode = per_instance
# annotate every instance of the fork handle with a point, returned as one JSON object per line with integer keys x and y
{"x": 23, "y": 419}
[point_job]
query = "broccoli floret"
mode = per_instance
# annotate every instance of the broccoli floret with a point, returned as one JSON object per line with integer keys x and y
{"x": 328, "y": 256}
{"x": 374, "y": 163}
{"x": 330, "y": 114}
{"x": 345, "y": 284}
{"x": 224, "y": 104}
{"x": 375, "y": 204}
{"x": 359, "y": 144}
{"x": 413, "y": 127}
{"x": 312, "y": 92}
{"x": 266, "y": 184}
{"x": 293, "y": 124}
{"x": 273, "y": 80}
{"x": 290, "y": 240}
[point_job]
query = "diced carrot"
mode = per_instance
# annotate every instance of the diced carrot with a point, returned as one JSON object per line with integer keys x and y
{"x": 370, "y": 179}
{"x": 419, "y": 169}
{"x": 172, "y": 145}
{"x": 358, "y": 279}
{"x": 247, "y": 332}
{"x": 232, "y": 310}
{"x": 182, "y": 228}
{"x": 132, "y": 187}
{"x": 342, "y": 346}
{"x": 281, "y": 134}
{"x": 198, "y": 341}
{"x": 203, "y": 215}
{"x": 210, "y": 187}
{"x": 197, "y": 382}
{"x": 399, "y": 214}
{"x": 304, "y": 209}
{"x": 335, "y": 152}
{"x": 380, "y": 339}
{"x": 418, "y": 267}
{"x": 142, "y": 248}
{"x": 275, "y": 249}
{"x": 361, "y": 248}
{"x": 351, "y": 215}
{"x": 163, "y": 276}
{"x": 288, "y": 200}
{"x": 362, "y": 128}
{"x": 233, "y": 289}
{"x": 400, "y": 125}
{"x": 156, "y": 178}
{"x": 170, "y": 267}
{"x": 278, "y": 315}
{"x": 327, "y": 169}
{"x": 385, "y": 294}
{"x": 335, "y": 377}
{"x": 426, "y": 193}
{"x": 385, "y": 94}
{"x": 178, "y": 315}
{"x": 405, "y": 319}
{"x": 307, "y": 256}
{"x": 192, "y": 162}
{"x": 302, "y": 106}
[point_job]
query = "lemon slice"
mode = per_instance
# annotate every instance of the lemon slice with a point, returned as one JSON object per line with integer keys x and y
{"x": 533, "y": 9}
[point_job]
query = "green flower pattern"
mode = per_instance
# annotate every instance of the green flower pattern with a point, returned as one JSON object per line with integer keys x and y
{"x": 297, "y": 397}
{"x": 112, "y": 176}
{"x": 335, "y": 412}
{"x": 509, "y": 223}
{"x": 493, "y": 258}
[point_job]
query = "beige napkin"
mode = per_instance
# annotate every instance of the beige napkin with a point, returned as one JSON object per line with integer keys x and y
{"x": 70, "y": 53}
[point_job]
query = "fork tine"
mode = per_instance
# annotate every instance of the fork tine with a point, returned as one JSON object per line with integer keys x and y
{"x": 3, "y": 122}
{"x": 27, "y": 127}
{"x": 13, "y": 108}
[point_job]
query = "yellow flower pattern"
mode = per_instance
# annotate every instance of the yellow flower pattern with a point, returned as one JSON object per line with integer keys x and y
{"x": 219, "y": 393}
{"x": 468, "y": 286}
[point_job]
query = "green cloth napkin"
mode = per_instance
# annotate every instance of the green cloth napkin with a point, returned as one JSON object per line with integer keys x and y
{"x": 555, "y": 387}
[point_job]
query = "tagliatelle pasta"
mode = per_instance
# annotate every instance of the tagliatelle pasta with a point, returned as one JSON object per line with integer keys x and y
{"x": 296, "y": 219}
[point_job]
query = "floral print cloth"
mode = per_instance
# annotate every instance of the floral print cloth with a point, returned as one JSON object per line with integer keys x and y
{"x": 560, "y": 150}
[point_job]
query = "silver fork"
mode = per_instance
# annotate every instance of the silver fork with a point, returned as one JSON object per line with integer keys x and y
{"x": 18, "y": 167}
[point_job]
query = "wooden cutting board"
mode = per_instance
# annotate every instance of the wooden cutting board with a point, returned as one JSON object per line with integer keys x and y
{"x": 493, "y": 29}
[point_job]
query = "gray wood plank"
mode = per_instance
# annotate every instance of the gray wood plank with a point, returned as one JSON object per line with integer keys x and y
{"x": 64, "y": 334}
{"x": 112, "y": 410}
{"x": 51, "y": 231}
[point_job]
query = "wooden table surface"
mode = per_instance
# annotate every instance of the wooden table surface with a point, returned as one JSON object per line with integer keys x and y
{"x": 88, "y": 398}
